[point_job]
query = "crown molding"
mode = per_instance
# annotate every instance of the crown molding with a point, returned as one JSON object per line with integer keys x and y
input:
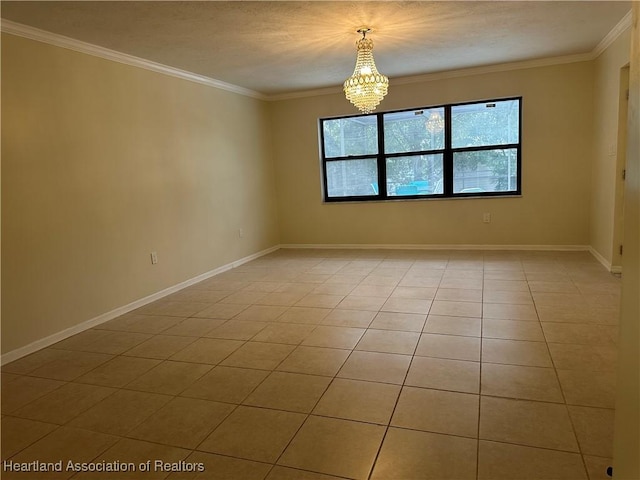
{"x": 612, "y": 35}
{"x": 500, "y": 67}
{"x": 32, "y": 33}
{"x": 304, "y": 93}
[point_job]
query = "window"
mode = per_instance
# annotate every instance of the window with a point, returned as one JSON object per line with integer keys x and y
{"x": 463, "y": 150}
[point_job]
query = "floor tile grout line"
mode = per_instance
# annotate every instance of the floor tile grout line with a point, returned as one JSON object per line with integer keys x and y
{"x": 14, "y": 454}
{"x": 571, "y": 420}
{"x": 546, "y": 343}
{"x": 480, "y": 382}
{"x": 308, "y": 415}
{"x": 529, "y": 445}
{"x": 395, "y": 406}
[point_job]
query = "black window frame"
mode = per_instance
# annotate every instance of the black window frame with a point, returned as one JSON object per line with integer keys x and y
{"x": 447, "y": 157}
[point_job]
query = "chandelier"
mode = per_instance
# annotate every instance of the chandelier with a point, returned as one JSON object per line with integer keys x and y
{"x": 366, "y": 87}
{"x": 435, "y": 122}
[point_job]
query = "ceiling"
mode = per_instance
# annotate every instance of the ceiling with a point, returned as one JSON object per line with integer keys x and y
{"x": 286, "y": 46}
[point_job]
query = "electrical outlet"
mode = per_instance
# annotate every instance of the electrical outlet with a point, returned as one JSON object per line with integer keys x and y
{"x": 154, "y": 258}
{"x": 240, "y": 233}
{"x": 486, "y": 218}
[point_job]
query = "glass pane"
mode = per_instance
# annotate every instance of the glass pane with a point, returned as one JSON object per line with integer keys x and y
{"x": 414, "y": 131}
{"x": 414, "y": 175}
{"x": 346, "y": 178}
{"x": 350, "y": 136}
{"x": 482, "y": 124}
{"x": 485, "y": 171}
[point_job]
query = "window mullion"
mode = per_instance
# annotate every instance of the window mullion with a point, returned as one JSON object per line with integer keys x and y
{"x": 505, "y": 146}
{"x": 447, "y": 159}
{"x": 382, "y": 166}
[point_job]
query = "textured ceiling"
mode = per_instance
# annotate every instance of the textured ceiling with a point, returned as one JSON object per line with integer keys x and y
{"x": 281, "y": 47}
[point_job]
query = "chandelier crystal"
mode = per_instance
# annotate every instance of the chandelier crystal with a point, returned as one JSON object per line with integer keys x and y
{"x": 366, "y": 87}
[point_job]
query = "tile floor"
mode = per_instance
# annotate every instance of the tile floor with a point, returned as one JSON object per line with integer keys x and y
{"x": 324, "y": 364}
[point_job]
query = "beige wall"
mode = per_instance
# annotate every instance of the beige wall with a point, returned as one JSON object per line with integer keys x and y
{"x": 627, "y": 428}
{"x": 103, "y": 163}
{"x": 554, "y": 207}
{"x": 607, "y": 69}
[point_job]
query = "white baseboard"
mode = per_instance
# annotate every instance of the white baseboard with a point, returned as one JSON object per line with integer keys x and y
{"x": 606, "y": 263}
{"x": 348, "y": 246}
{"x": 105, "y": 317}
